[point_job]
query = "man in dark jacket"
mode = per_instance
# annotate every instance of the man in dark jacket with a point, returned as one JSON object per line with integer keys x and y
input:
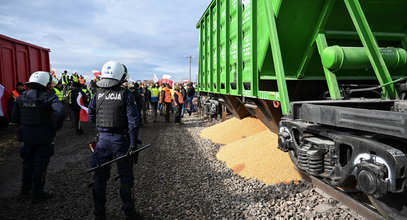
{"x": 138, "y": 98}
{"x": 184, "y": 95}
{"x": 114, "y": 112}
{"x": 38, "y": 116}
{"x": 14, "y": 95}
{"x": 190, "y": 98}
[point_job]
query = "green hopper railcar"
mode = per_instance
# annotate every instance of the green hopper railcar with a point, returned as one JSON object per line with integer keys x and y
{"x": 329, "y": 76}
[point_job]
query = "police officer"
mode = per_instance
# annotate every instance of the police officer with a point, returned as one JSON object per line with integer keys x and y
{"x": 38, "y": 116}
{"x": 113, "y": 110}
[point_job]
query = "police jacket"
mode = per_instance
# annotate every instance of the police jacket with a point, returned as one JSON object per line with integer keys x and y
{"x": 113, "y": 111}
{"x": 38, "y": 115}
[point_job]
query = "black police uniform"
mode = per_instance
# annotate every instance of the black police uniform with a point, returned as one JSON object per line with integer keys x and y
{"x": 116, "y": 117}
{"x": 38, "y": 116}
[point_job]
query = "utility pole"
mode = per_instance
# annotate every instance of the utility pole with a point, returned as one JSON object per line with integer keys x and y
{"x": 190, "y": 66}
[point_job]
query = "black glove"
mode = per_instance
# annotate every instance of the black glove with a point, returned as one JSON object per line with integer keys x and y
{"x": 135, "y": 155}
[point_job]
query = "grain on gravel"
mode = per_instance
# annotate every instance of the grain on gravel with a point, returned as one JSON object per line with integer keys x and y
{"x": 257, "y": 157}
{"x": 233, "y": 129}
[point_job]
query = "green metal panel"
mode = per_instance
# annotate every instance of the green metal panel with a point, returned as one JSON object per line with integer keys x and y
{"x": 224, "y": 47}
{"x": 372, "y": 49}
{"x": 211, "y": 53}
{"x": 207, "y": 55}
{"x": 277, "y": 59}
{"x": 330, "y": 76}
{"x": 199, "y": 78}
{"x": 217, "y": 48}
{"x": 235, "y": 55}
{"x": 258, "y": 45}
{"x": 249, "y": 55}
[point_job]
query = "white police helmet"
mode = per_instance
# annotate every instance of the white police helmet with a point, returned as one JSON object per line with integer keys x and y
{"x": 113, "y": 73}
{"x": 40, "y": 77}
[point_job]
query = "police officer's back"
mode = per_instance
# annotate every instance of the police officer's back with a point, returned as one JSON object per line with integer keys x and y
{"x": 113, "y": 110}
{"x": 38, "y": 116}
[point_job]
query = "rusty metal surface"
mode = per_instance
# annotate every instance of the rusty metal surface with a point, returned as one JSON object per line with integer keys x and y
{"x": 361, "y": 209}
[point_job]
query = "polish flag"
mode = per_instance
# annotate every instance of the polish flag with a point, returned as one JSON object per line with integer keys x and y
{"x": 155, "y": 78}
{"x": 96, "y": 73}
{"x": 84, "y": 110}
{"x": 166, "y": 76}
{"x": 4, "y": 97}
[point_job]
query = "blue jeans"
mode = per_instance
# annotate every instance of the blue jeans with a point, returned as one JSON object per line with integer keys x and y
{"x": 160, "y": 108}
{"x": 183, "y": 109}
{"x": 191, "y": 104}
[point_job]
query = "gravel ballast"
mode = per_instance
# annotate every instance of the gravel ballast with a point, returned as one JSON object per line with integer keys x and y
{"x": 179, "y": 177}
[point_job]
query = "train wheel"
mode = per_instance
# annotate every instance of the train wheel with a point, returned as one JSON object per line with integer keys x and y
{"x": 293, "y": 157}
{"x": 391, "y": 206}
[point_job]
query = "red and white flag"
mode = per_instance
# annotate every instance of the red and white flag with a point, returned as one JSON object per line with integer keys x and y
{"x": 4, "y": 97}
{"x": 155, "y": 78}
{"x": 84, "y": 110}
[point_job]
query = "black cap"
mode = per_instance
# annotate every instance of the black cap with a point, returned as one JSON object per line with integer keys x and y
{"x": 19, "y": 84}
{"x": 77, "y": 85}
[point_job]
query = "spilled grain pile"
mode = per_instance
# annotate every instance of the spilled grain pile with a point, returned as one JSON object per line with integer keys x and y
{"x": 233, "y": 130}
{"x": 258, "y": 157}
{"x": 251, "y": 151}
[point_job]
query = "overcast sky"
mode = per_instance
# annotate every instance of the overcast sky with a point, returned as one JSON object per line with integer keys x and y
{"x": 148, "y": 36}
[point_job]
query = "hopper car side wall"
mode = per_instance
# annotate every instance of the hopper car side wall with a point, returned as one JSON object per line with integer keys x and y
{"x": 19, "y": 59}
{"x": 254, "y": 48}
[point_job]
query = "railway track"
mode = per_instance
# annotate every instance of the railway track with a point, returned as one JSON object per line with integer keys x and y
{"x": 362, "y": 209}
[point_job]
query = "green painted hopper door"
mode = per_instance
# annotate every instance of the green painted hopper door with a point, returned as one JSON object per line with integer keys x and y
{"x": 299, "y": 22}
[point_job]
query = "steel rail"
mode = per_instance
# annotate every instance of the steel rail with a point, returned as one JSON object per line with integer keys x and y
{"x": 360, "y": 208}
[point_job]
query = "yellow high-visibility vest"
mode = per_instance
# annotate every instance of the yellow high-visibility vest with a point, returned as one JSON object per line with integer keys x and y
{"x": 59, "y": 94}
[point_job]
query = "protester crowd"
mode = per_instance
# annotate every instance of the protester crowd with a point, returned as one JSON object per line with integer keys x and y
{"x": 158, "y": 99}
{"x": 116, "y": 107}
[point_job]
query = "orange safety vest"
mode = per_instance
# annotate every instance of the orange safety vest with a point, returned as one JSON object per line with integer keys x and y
{"x": 15, "y": 94}
{"x": 180, "y": 98}
{"x": 82, "y": 81}
{"x": 167, "y": 97}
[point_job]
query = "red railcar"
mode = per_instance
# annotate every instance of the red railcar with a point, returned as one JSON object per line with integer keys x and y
{"x": 19, "y": 59}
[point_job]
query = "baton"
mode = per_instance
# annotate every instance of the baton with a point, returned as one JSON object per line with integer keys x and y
{"x": 129, "y": 153}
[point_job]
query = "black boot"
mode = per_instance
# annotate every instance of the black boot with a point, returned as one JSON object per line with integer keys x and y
{"x": 100, "y": 216}
{"x": 41, "y": 196}
{"x": 133, "y": 216}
